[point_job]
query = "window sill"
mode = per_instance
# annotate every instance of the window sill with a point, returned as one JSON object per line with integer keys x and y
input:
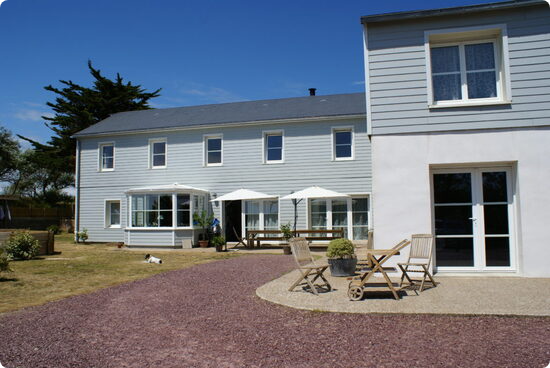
{"x": 344, "y": 159}
{"x": 213, "y": 165}
{"x": 113, "y": 227}
{"x": 158, "y": 167}
{"x": 273, "y": 162}
{"x": 468, "y": 104}
{"x": 105, "y": 170}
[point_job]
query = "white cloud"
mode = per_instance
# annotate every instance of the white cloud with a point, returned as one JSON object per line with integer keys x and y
{"x": 208, "y": 94}
{"x": 1, "y": 1}
{"x": 31, "y": 115}
{"x": 25, "y": 145}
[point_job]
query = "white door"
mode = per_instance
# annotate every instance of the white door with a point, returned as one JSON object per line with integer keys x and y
{"x": 472, "y": 211}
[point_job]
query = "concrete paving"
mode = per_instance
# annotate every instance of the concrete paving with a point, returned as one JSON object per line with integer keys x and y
{"x": 453, "y": 295}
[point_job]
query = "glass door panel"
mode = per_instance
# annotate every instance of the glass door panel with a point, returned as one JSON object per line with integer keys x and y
{"x": 472, "y": 219}
{"x": 340, "y": 215}
{"x": 496, "y": 219}
{"x": 453, "y": 219}
{"x": 455, "y": 252}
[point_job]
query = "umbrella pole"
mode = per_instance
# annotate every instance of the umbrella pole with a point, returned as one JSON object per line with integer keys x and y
{"x": 295, "y": 202}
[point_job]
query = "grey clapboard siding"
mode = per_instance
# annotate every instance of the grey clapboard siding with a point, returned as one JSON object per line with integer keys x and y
{"x": 307, "y": 154}
{"x": 398, "y": 82}
{"x": 152, "y": 237}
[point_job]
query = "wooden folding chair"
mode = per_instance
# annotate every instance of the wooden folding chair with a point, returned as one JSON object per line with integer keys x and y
{"x": 240, "y": 240}
{"x": 421, "y": 253}
{"x": 377, "y": 258}
{"x": 361, "y": 251}
{"x": 309, "y": 270}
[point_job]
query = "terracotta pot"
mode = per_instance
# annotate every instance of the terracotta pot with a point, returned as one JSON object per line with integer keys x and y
{"x": 203, "y": 243}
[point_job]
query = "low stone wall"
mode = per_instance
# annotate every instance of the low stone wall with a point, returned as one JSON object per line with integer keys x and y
{"x": 45, "y": 238}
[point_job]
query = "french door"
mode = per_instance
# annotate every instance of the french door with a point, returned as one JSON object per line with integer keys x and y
{"x": 473, "y": 219}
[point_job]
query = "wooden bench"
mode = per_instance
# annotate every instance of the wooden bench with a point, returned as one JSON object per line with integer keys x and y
{"x": 276, "y": 235}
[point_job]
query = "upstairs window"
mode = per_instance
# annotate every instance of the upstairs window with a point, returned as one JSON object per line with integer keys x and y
{"x": 157, "y": 149}
{"x": 213, "y": 150}
{"x": 106, "y": 157}
{"x": 467, "y": 67}
{"x": 273, "y": 143}
{"x": 464, "y": 72}
{"x": 342, "y": 143}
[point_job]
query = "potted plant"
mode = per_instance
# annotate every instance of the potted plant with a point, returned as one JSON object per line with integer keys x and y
{"x": 218, "y": 241}
{"x": 341, "y": 257}
{"x": 287, "y": 234}
{"x": 204, "y": 221}
{"x": 82, "y": 236}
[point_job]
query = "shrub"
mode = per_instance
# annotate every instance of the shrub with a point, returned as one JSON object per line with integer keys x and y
{"x": 4, "y": 261}
{"x": 217, "y": 241}
{"x": 54, "y": 229}
{"x": 82, "y": 235}
{"x": 340, "y": 248}
{"x": 22, "y": 245}
{"x": 287, "y": 231}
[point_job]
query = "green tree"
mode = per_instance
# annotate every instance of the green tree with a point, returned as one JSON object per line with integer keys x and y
{"x": 77, "y": 107}
{"x": 9, "y": 155}
{"x": 36, "y": 180}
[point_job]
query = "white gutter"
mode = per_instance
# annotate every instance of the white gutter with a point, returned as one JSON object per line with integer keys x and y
{"x": 367, "y": 90}
{"x": 77, "y": 194}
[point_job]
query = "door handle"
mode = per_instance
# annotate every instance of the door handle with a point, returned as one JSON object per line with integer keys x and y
{"x": 473, "y": 218}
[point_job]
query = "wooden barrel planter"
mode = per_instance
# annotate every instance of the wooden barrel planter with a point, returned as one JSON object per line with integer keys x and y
{"x": 45, "y": 238}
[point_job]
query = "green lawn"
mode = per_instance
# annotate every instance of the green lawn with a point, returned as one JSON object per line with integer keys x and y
{"x": 79, "y": 269}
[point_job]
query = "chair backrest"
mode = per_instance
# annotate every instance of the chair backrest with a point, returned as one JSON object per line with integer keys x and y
{"x": 370, "y": 240}
{"x": 300, "y": 251}
{"x": 421, "y": 247}
{"x": 239, "y": 238}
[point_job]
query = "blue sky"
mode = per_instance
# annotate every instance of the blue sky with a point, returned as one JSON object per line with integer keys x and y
{"x": 198, "y": 52}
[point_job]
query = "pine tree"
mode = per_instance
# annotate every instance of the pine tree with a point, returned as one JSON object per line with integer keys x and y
{"x": 77, "y": 107}
{"x": 9, "y": 153}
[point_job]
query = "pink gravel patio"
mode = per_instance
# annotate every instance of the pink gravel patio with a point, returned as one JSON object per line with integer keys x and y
{"x": 209, "y": 316}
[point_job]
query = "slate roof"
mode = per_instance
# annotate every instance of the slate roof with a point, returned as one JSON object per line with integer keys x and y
{"x": 459, "y": 10}
{"x": 227, "y": 113}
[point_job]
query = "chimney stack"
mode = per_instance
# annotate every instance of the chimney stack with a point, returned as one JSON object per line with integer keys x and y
{"x": 312, "y": 91}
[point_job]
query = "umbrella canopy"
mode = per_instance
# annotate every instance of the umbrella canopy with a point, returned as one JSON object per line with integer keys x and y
{"x": 315, "y": 192}
{"x": 242, "y": 194}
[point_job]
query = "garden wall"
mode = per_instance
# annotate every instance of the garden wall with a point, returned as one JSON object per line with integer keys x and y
{"x": 45, "y": 238}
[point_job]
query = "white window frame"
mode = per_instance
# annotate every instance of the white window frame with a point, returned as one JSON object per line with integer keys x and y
{"x": 107, "y": 214}
{"x": 265, "y": 147}
{"x": 100, "y": 156}
{"x": 261, "y": 213}
{"x": 478, "y": 207}
{"x": 328, "y": 202}
{"x": 174, "y": 195}
{"x": 334, "y": 130}
{"x": 205, "y": 139}
{"x": 153, "y": 141}
{"x": 496, "y": 33}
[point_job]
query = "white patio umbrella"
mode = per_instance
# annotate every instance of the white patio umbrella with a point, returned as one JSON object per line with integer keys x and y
{"x": 242, "y": 194}
{"x": 311, "y": 193}
{"x": 315, "y": 192}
